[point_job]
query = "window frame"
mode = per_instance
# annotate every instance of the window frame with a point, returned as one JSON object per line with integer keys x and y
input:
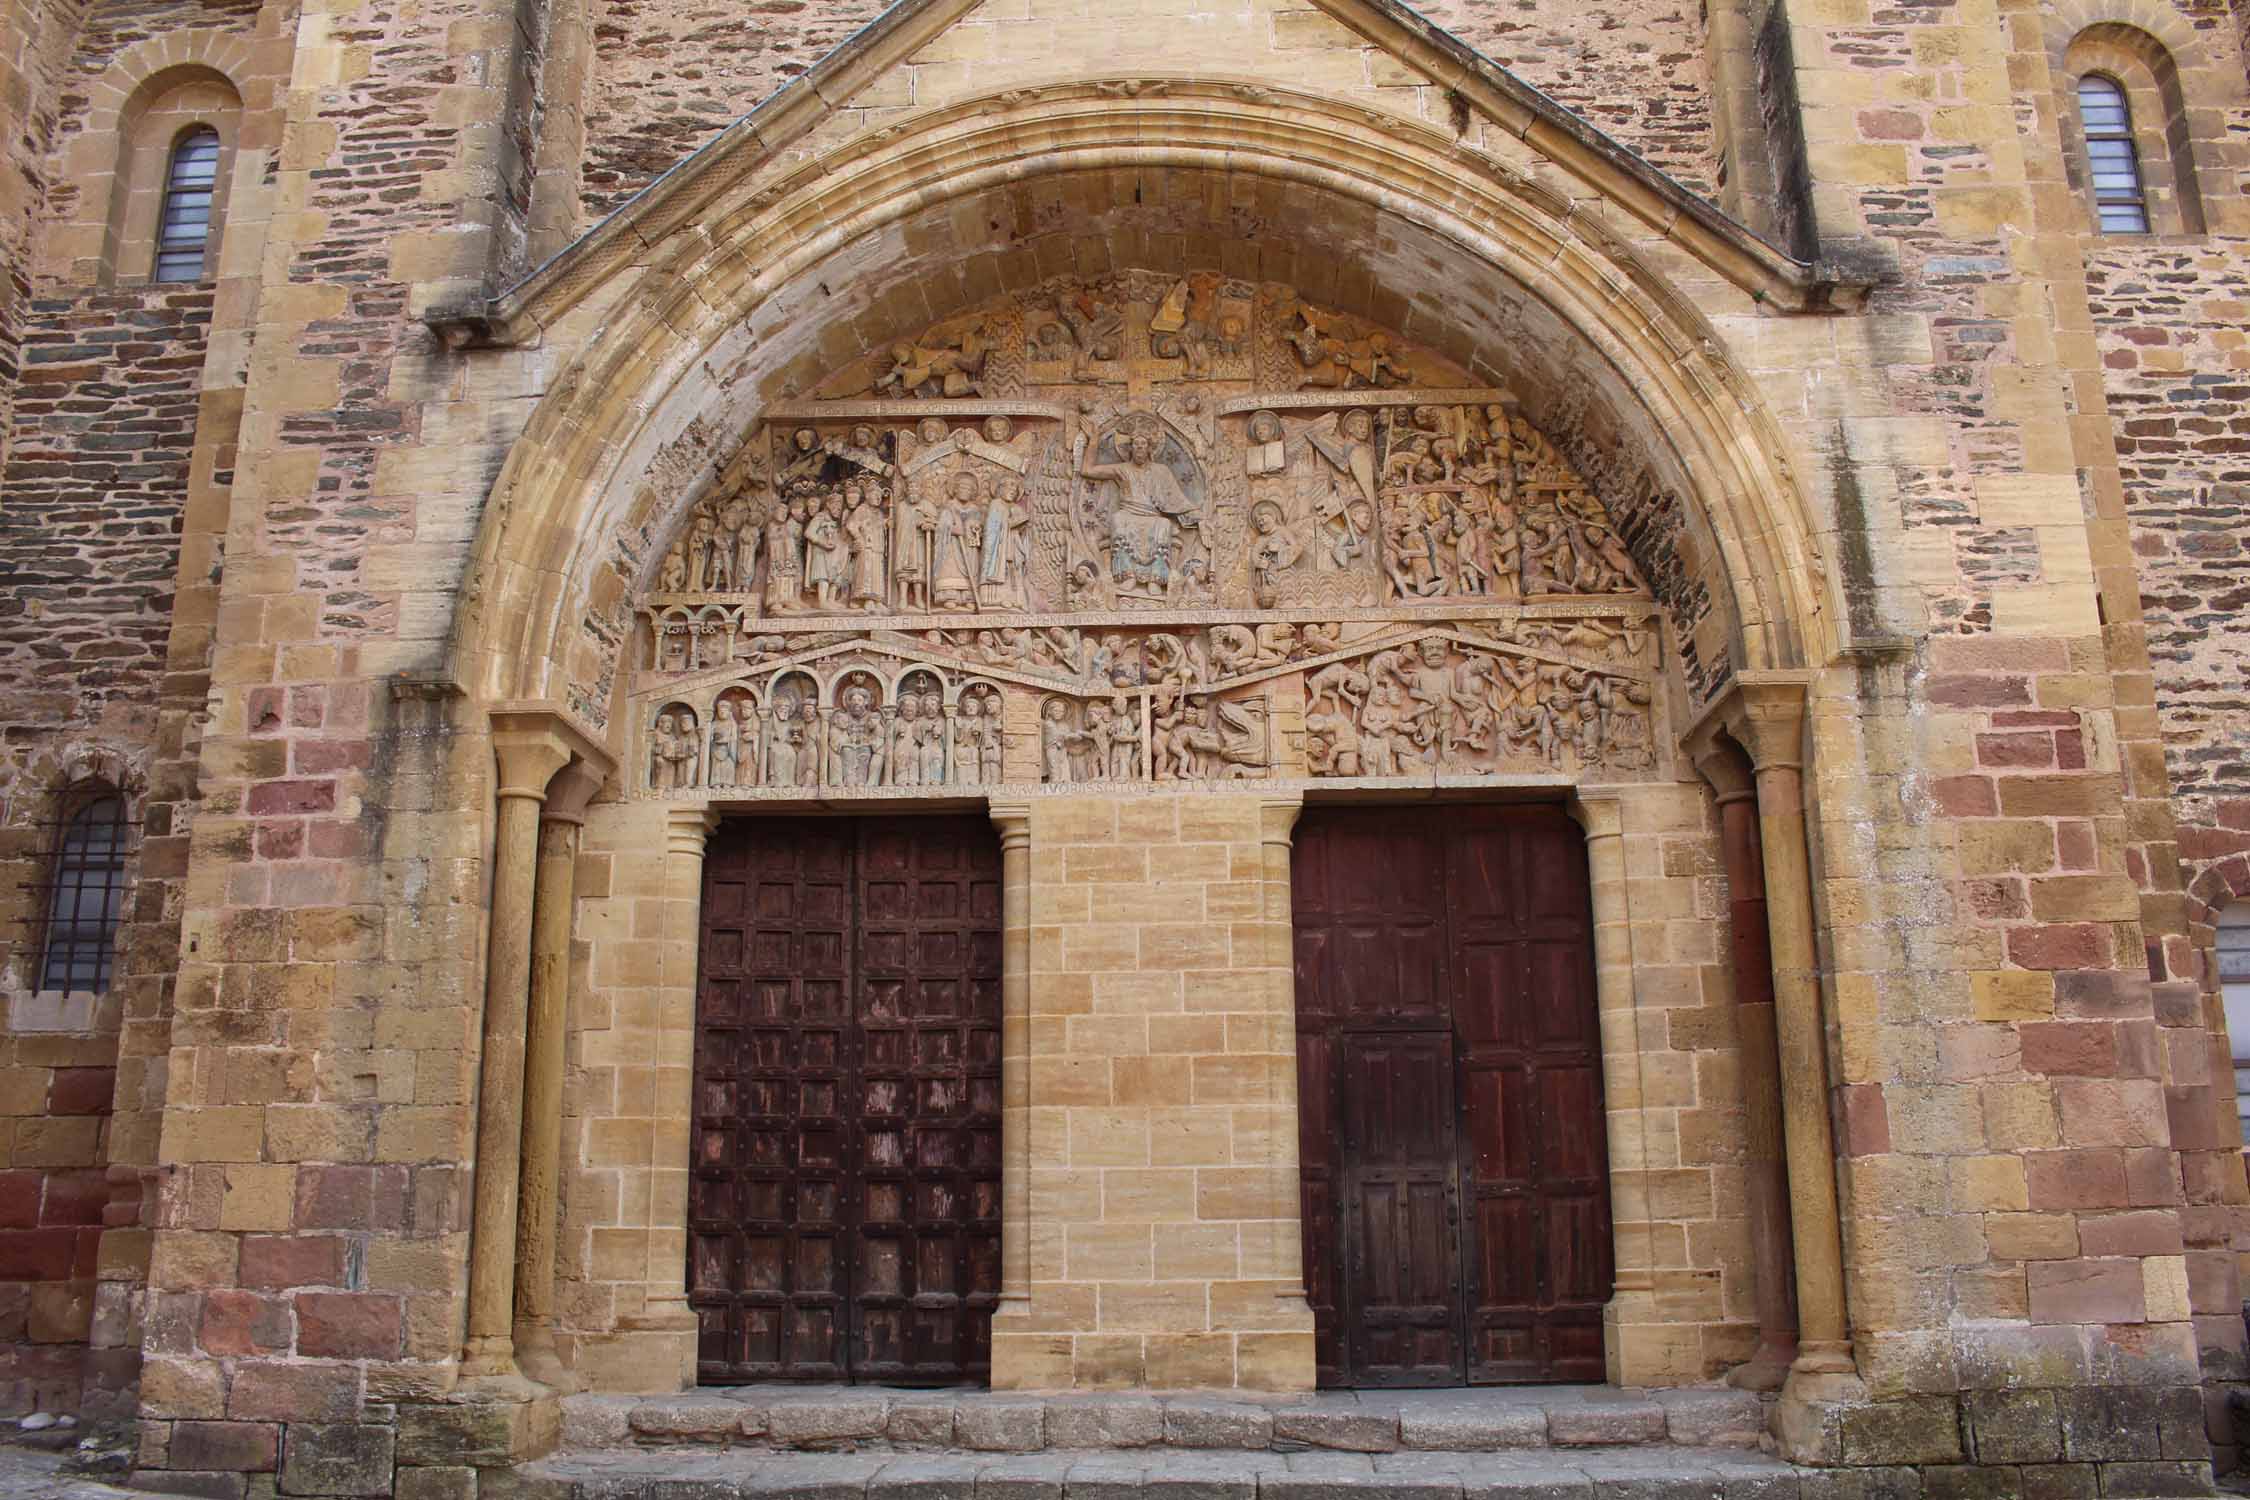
{"x": 188, "y": 138}
{"x": 112, "y": 864}
{"x": 2125, "y": 161}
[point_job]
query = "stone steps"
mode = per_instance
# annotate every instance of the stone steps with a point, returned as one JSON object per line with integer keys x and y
{"x": 868, "y": 1419}
{"x": 1649, "y": 1472}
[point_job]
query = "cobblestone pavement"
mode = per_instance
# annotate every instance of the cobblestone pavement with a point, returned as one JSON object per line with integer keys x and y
{"x": 28, "y": 1474}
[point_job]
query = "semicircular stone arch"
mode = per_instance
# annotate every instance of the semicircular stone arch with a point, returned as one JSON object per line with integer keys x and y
{"x": 1494, "y": 278}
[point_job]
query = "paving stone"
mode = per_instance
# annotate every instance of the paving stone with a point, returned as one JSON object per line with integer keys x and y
{"x": 1472, "y": 1426}
{"x": 1525, "y": 1478}
{"x": 727, "y": 1487}
{"x": 1025, "y": 1476}
{"x": 1339, "y": 1424}
{"x": 1734, "y": 1419}
{"x": 597, "y": 1421}
{"x": 826, "y": 1419}
{"x": 693, "y": 1418}
{"x": 1598, "y": 1422}
{"x": 1001, "y": 1426}
{"x": 1328, "y": 1464}
{"x": 810, "y": 1476}
{"x": 936, "y": 1477}
{"x": 1202, "y": 1476}
{"x": 1094, "y": 1422}
{"x": 925, "y": 1421}
{"x": 1197, "y": 1422}
{"x": 1102, "y": 1476}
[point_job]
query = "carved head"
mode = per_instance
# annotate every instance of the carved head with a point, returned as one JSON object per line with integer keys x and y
{"x": 663, "y": 723}
{"x": 998, "y": 429}
{"x": 972, "y": 704}
{"x": 1265, "y": 427}
{"x": 805, "y": 439}
{"x": 1140, "y": 447}
{"x": 1052, "y": 336}
{"x": 1266, "y": 516}
{"x": 1358, "y": 426}
{"x": 1361, "y": 515}
{"x": 962, "y": 487}
{"x": 857, "y": 700}
{"x": 723, "y": 713}
{"x": 1055, "y": 710}
{"x": 863, "y": 436}
{"x": 1433, "y": 651}
{"x": 931, "y": 430}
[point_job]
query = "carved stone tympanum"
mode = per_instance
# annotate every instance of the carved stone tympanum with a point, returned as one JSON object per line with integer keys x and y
{"x": 1141, "y": 529}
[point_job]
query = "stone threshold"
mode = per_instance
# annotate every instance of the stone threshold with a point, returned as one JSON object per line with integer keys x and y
{"x": 1650, "y": 1472}
{"x": 782, "y": 1418}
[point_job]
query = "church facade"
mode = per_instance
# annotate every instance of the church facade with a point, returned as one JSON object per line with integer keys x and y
{"x": 1091, "y": 695}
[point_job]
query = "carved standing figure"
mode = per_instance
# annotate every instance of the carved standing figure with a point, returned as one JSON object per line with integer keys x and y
{"x": 784, "y": 533}
{"x": 865, "y": 530}
{"x": 827, "y": 562}
{"x": 966, "y": 769}
{"x": 856, "y": 740}
{"x": 1059, "y": 740}
{"x": 953, "y": 569}
{"x": 723, "y": 754}
{"x": 1151, "y": 514}
{"x": 1007, "y": 546}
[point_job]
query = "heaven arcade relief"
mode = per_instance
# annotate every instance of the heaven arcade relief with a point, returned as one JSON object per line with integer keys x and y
{"x": 1141, "y": 530}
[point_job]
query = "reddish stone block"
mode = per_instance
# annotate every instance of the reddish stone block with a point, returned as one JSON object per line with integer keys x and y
{"x": 281, "y": 840}
{"x": 20, "y": 1191}
{"x": 276, "y": 798}
{"x": 2147, "y": 1231}
{"x": 2075, "y": 1179}
{"x": 81, "y": 1091}
{"x": 2075, "y": 848}
{"x": 2036, "y": 718}
{"x": 2060, "y": 945}
{"x": 271, "y": 1261}
{"x": 37, "y": 1254}
{"x": 335, "y": 839}
{"x": 75, "y": 1199}
{"x": 307, "y": 706}
{"x": 242, "y": 1323}
{"x": 351, "y": 1198}
{"x": 1965, "y": 796}
{"x": 349, "y": 1325}
{"x": 263, "y": 711}
{"x": 2070, "y": 750}
{"x": 325, "y": 757}
{"x": 1978, "y": 690}
{"x": 1867, "y": 1121}
{"x": 2152, "y": 1177}
{"x": 2016, "y": 750}
{"x": 2085, "y": 1291}
{"x": 2087, "y": 1048}
{"x": 2112, "y": 1112}
{"x": 2002, "y": 898}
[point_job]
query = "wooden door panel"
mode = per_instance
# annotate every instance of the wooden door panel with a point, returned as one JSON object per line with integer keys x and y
{"x": 844, "y": 1200}
{"x": 1476, "y": 919}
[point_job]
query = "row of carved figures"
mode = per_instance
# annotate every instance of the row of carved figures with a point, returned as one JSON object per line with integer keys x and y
{"x": 793, "y": 740}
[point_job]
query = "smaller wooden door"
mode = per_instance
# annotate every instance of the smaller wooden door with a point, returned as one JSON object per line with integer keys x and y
{"x": 1401, "y": 1207}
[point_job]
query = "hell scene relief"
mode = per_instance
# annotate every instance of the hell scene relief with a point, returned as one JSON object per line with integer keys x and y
{"x": 1142, "y": 529}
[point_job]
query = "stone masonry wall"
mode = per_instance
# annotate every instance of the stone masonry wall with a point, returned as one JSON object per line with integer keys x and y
{"x": 91, "y": 502}
{"x": 670, "y": 74}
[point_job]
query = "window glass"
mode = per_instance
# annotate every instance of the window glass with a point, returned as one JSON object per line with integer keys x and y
{"x": 86, "y": 898}
{"x": 2120, "y": 202}
{"x": 185, "y": 230}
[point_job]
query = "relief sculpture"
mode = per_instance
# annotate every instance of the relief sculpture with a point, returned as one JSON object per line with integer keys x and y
{"x": 1135, "y": 530}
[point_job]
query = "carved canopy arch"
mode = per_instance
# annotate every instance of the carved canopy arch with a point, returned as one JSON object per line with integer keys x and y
{"x": 898, "y": 239}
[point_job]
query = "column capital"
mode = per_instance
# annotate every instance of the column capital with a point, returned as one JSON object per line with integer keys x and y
{"x": 1764, "y": 713}
{"x": 533, "y": 741}
{"x": 1277, "y": 816}
{"x": 687, "y": 829}
{"x": 1724, "y": 765}
{"x": 570, "y": 790}
{"x": 1013, "y": 819}
{"x": 1603, "y": 817}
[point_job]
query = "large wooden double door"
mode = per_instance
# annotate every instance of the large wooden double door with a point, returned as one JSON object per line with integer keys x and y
{"x": 1456, "y": 1191}
{"x": 844, "y": 1205}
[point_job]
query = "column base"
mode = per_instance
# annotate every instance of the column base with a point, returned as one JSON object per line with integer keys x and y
{"x": 1766, "y": 1370}
{"x": 487, "y": 1423}
{"x": 540, "y": 1361}
{"x": 1808, "y": 1420}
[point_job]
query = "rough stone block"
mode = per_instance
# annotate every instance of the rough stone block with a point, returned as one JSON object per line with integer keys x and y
{"x": 2059, "y": 1481}
{"x": 1713, "y": 1419}
{"x": 342, "y": 1459}
{"x": 930, "y": 1478}
{"x": 1338, "y": 1423}
{"x": 1919, "y": 1431}
{"x": 1022, "y": 1477}
{"x": 928, "y": 1423}
{"x": 2094, "y": 1425}
{"x": 448, "y": 1483}
{"x": 692, "y": 1418}
{"x": 804, "y": 1476}
{"x": 2013, "y": 1427}
{"x": 2148, "y": 1481}
{"x": 199, "y": 1484}
{"x": 1001, "y": 1426}
{"x": 1104, "y": 1476}
{"x": 248, "y": 1447}
{"x": 804, "y": 1421}
{"x": 596, "y": 1421}
{"x": 1098, "y": 1422}
{"x": 1196, "y": 1423}
{"x": 1471, "y": 1427}
{"x": 1602, "y": 1422}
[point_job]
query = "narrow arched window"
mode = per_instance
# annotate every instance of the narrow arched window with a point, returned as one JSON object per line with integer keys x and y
{"x": 2120, "y": 199}
{"x": 184, "y": 233}
{"x": 85, "y": 897}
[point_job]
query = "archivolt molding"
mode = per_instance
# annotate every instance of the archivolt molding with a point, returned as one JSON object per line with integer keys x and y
{"x": 741, "y": 268}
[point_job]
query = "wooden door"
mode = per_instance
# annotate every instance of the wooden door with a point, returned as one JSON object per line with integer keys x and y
{"x": 1450, "y": 943}
{"x": 1402, "y": 1221}
{"x": 844, "y": 1202}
